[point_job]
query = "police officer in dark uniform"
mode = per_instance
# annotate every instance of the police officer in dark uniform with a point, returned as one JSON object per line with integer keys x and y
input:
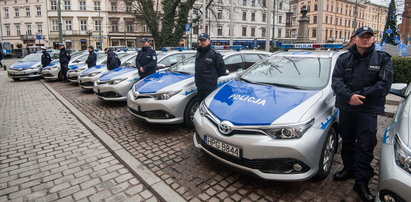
{"x": 1, "y": 58}
{"x": 64, "y": 61}
{"x": 45, "y": 58}
{"x": 146, "y": 60}
{"x": 361, "y": 79}
{"x": 209, "y": 65}
{"x": 92, "y": 57}
{"x": 112, "y": 60}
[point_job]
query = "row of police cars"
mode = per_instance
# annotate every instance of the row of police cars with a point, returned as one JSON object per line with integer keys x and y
{"x": 272, "y": 115}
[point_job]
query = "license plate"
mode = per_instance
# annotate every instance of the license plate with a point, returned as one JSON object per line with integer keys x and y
{"x": 222, "y": 146}
{"x": 18, "y": 73}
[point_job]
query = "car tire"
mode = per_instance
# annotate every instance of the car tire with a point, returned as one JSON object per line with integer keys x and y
{"x": 327, "y": 154}
{"x": 189, "y": 112}
{"x": 16, "y": 79}
{"x": 60, "y": 76}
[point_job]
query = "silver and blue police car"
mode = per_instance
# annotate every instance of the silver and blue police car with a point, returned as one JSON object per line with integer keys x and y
{"x": 77, "y": 68}
{"x": 115, "y": 84}
{"x": 169, "y": 97}
{"x": 52, "y": 71}
{"x": 395, "y": 163}
{"x": 87, "y": 77}
{"x": 30, "y": 66}
{"x": 277, "y": 120}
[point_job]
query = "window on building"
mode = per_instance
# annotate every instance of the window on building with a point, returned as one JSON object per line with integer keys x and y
{"x": 326, "y": 19}
{"x": 314, "y": 33}
{"x": 252, "y": 2}
{"x": 18, "y": 30}
{"x": 67, "y": 5}
{"x": 114, "y": 26}
{"x": 220, "y": 14}
{"x": 83, "y": 25}
{"x": 7, "y": 30}
{"x": 252, "y": 16}
{"x": 220, "y": 1}
{"x": 27, "y": 11}
{"x": 279, "y": 32}
{"x": 315, "y": 7}
{"x": 82, "y": 5}
{"x": 38, "y": 11}
{"x": 264, "y": 3}
{"x": 54, "y": 25}
{"x": 69, "y": 25}
{"x": 315, "y": 19}
{"x": 97, "y": 6}
{"x": 280, "y": 19}
{"x": 97, "y": 25}
{"x": 252, "y": 31}
{"x": 129, "y": 8}
{"x": 129, "y": 27}
{"x": 280, "y": 5}
{"x": 16, "y": 12}
{"x": 308, "y": 8}
{"x": 219, "y": 30}
{"x": 53, "y": 5}
{"x": 263, "y": 31}
{"x": 6, "y": 13}
{"x": 331, "y": 20}
{"x": 340, "y": 34}
{"x": 264, "y": 17}
{"x": 244, "y": 15}
{"x": 40, "y": 28}
{"x": 340, "y": 21}
{"x": 28, "y": 29}
{"x": 244, "y": 31}
{"x": 244, "y": 2}
{"x": 113, "y": 6}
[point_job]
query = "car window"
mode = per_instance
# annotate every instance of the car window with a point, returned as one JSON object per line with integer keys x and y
{"x": 251, "y": 58}
{"x": 186, "y": 66}
{"x": 32, "y": 58}
{"x": 131, "y": 62}
{"x": 234, "y": 63}
{"x": 171, "y": 59}
{"x": 187, "y": 55}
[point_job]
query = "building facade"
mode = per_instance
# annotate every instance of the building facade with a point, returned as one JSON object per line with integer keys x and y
{"x": 335, "y": 20}
{"x": 405, "y": 26}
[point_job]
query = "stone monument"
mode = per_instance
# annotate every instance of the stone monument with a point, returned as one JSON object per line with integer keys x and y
{"x": 303, "y": 27}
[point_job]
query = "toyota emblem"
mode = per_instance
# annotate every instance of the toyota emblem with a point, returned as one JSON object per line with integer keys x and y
{"x": 225, "y": 127}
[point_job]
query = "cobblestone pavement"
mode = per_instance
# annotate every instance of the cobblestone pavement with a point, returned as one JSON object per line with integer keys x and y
{"x": 46, "y": 154}
{"x": 168, "y": 151}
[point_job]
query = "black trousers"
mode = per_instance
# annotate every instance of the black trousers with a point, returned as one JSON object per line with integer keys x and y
{"x": 202, "y": 93}
{"x": 64, "y": 69}
{"x": 358, "y": 131}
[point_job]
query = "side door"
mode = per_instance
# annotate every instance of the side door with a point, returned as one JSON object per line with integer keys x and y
{"x": 171, "y": 59}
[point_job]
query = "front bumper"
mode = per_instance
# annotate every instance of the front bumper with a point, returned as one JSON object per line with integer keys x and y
{"x": 170, "y": 111}
{"x": 73, "y": 76}
{"x": 392, "y": 179}
{"x": 263, "y": 156}
{"x": 87, "y": 82}
{"x": 27, "y": 73}
{"x": 117, "y": 92}
{"x": 51, "y": 74}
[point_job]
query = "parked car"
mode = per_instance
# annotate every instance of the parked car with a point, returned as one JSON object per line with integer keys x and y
{"x": 53, "y": 70}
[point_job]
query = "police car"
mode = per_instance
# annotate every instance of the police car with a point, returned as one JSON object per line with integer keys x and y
{"x": 169, "y": 97}
{"x": 87, "y": 77}
{"x": 79, "y": 65}
{"x": 277, "y": 120}
{"x": 52, "y": 71}
{"x": 30, "y": 66}
{"x": 115, "y": 84}
{"x": 395, "y": 163}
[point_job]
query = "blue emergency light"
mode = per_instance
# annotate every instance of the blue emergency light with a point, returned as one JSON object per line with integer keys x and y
{"x": 175, "y": 48}
{"x": 312, "y": 46}
{"x": 224, "y": 47}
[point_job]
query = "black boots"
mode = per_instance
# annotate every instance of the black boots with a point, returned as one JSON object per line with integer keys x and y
{"x": 343, "y": 175}
{"x": 363, "y": 191}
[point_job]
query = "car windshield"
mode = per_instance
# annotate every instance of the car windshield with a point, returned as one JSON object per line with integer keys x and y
{"x": 32, "y": 58}
{"x": 185, "y": 67}
{"x": 131, "y": 62}
{"x": 77, "y": 54}
{"x": 292, "y": 72}
{"x": 161, "y": 54}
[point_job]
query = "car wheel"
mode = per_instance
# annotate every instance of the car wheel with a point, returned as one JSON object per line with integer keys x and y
{"x": 327, "y": 155}
{"x": 60, "y": 75}
{"x": 189, "y": 112}
{"x": 16, "y": 79}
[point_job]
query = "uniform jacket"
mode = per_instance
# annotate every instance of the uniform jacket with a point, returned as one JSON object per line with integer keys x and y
{"x": 209, "y": 65}
{"x": 146, "y": 58}
{"x": 112, "y": 60}
{"x": 45, "y": 59}
{"x": 370, "y": 75}
{"x": 91, "y": 59}
{"x": 64, "y": 56}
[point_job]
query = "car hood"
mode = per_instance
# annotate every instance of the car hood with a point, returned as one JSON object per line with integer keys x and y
{"x": 76, "y": 66}
{"x": 158, "y": 81}
{"x": 92, "y": 69}
{"x": 24, "y": 65}
{"x": 244, "y": 103}
{"x": 120, "y": 71}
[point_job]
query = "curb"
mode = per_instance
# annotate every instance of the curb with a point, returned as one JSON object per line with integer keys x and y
{"x": 145, "y": 175}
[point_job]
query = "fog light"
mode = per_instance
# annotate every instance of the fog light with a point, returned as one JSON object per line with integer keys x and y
{"x": 388, "y": 198}
{"x": 167, "y": 116}
{"x": 297, "y": 167}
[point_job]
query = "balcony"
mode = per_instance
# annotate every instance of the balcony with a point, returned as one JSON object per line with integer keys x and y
{"x": 29, "y": 37}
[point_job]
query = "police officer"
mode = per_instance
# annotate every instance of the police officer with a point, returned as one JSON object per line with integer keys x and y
{"x": 45, "y": 58}
{"x": 146, "y": 60}
{"x": 1, "y": 58}
{"x": 112, "y": 59}
{"x": 209, "y": 65}
{"x": 361, "y": 79}
{"x": 92, "y": 57}
{"x": 64, "y": 61}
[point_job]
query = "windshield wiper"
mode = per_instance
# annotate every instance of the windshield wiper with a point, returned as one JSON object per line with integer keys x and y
{"x": 181, "y": 72}
{"x": 280, "y": 85}
{"x": 246, "y": 80}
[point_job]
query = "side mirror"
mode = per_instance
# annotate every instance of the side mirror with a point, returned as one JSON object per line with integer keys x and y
{"x": 227, "y": 72}
{"x": 161, "y": 66}
{"x": 398, "y": 89}
{"x": 128, "y": 64}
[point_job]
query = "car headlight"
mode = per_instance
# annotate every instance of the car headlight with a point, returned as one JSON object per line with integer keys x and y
{"x": 35, "y": 67}
{"x": 289, "y": 132}
{"x": 80, "y": 69}
{"x": 402, "y": 154}
{"x": 116, "y": 81}
{"x": 203, "y": 109}
{"x": 165, "y": 95}
{"x": 53, "y": 67}
{"x": 93, "y": 74}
